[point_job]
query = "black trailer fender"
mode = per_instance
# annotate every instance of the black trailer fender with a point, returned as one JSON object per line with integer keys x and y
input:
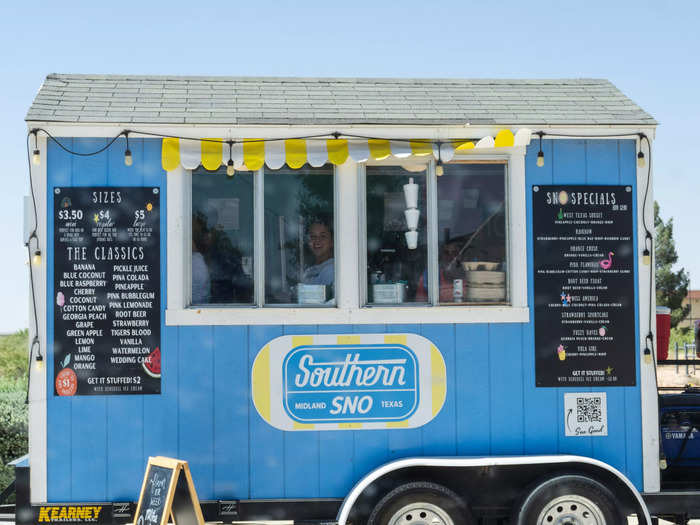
{"x": 505, "y": 473}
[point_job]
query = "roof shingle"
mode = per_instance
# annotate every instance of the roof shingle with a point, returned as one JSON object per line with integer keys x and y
{"x": 271, "y": 100}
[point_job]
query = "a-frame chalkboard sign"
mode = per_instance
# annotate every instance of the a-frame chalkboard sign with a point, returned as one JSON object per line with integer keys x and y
{"x": 167, "y": 490}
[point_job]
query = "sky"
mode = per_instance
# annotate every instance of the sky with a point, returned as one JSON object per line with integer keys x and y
{"x": 649, "y": 50}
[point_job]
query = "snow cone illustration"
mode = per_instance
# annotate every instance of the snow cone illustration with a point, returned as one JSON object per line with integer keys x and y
{"x": 563, "y": 197}
{"x": 605, "y": 264}
{"x": 602, "y": 331}
{"x": 561, "y": 352}
{"x": 60, "y": 299}
{"x": 152, "y": 363}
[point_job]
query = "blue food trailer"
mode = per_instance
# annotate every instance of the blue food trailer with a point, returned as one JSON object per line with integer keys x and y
{"x": 351, "y": 300}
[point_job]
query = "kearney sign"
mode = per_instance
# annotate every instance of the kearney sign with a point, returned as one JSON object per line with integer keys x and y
{"x": 331, "y": 382}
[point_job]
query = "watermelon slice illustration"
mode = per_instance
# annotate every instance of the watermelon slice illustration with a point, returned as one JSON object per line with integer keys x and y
{"x": 152, "y": 363}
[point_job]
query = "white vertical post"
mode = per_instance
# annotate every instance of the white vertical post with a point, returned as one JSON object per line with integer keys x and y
{"x": 179, "y": 208}
{"x": 37, "y": 392}
{"x": 259, "y": 236}
{"x": 517, "y": 228}
{"x": 649, "y": 391}
{"x": 347, "y": 249}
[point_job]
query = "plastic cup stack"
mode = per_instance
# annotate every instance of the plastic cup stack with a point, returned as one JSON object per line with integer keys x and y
{"x": 412, "y": 213}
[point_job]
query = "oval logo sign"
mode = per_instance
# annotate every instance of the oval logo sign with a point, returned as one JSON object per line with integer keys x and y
{"x": 331, "y": 382}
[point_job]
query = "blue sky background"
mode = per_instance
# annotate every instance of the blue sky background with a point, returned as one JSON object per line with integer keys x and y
{"x": 649, "y": 50}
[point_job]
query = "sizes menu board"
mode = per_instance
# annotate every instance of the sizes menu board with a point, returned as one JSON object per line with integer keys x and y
{"x": 584, "y": 286}
{"x": 106, "y": 290}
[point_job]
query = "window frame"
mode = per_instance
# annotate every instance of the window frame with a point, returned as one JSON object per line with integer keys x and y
{"x": 432, "y": 234}
{"x": 259, "y": 228}
{"x": 508, "y": 248}
{"x": 349, "y": 273}
{"x": 258, "y": 248}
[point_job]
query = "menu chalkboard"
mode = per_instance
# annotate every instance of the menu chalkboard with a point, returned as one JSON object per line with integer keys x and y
{"x": 106, "y": 260}
{"x": 168, "y": 489}
{"x": 154, "y": 495}
{"x": 583, "y": 251}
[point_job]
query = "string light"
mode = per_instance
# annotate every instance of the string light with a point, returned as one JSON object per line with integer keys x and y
{"x": 36, "y": 154}
{"x": 439, "y": 169}
{"x": 39, "y": 362}
{"x": 540, "y": 154}
{"x": 36, "y": 258}
{"x": 128, "y": 159}
{"x": 641, "y": 162}
{"x": 230, "y": 170}
{"x": 646, "y": 254}
{"x": 648, "y": 357}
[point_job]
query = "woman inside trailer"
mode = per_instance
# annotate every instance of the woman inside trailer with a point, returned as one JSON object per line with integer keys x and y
{"x": 320, "y": 239}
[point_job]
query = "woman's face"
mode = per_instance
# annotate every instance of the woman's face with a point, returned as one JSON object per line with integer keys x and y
{"x": 320, "y": 242}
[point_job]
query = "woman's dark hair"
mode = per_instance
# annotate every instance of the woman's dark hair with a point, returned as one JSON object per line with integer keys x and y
{"x": 319, "y": 219}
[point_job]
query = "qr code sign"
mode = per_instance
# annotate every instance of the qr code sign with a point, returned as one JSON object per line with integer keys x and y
{"x": 588, "y": 410}
{"x": 586, "y": 414}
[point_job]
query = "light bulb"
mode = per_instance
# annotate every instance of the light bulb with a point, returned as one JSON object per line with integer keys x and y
{"x": 230, "y": 171}
{"x": 36, "y": 157}
{"x": 663, "y": 464}
{"x": 39, "y": 363}
{"x": 640, "y": 160}
{"x": 128, "y": 159}
{"x": 36, "y": 259}
{"x": 439, "y": 170}
{"x": 647, "y": 356}
{"x": 540, "y": 159}
{"x": 646, "y": 258}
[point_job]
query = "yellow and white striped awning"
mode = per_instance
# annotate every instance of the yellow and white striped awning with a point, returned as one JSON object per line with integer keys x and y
{"x": 251, "y": 154}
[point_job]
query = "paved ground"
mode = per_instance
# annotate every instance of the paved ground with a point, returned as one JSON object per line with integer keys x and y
{"x": 671, "y": 375}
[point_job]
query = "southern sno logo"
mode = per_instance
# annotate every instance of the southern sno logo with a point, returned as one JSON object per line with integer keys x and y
{"x": 350, "y": 383}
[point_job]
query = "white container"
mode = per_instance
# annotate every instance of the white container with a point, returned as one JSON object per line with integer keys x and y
{"x": 483, "y": 277}
{"x": 480, "y": 265}
{"x": 410, "y": 193}
{"x": 479, "y": 294}
{"x": 311, "y": 293}
{"x": 411, "y": 240}
{"x": 457, "y": 290}
{"x": 388, "y": 293}
{"x": 412, "y": 215}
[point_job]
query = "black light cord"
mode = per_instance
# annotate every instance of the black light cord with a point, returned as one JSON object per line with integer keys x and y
{"x": 648, "y": 237}
{"x": 79, "y": 153}
{"x": 36, "y": 341}
{"x": 335, "y": 134}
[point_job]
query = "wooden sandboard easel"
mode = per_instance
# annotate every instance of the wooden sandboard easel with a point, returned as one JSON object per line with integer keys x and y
{"x": 168, "y": 491}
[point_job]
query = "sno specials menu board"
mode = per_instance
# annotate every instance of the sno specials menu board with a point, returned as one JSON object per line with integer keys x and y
{"x": 584, "y": 286}
{"x": 106, "y": 291}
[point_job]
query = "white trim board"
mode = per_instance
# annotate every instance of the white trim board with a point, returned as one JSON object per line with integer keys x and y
{"x": 380, "y": 314}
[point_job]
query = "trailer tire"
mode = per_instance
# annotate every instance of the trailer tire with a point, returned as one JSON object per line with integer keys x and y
{"x": 421, "y": 503}
{"x": 577, "y": 499}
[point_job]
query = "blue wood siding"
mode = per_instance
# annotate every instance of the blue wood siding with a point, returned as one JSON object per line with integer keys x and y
{"x": 98, "y": 445}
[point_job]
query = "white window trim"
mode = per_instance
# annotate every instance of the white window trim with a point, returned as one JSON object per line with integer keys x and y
{"x": 348, "y": 271}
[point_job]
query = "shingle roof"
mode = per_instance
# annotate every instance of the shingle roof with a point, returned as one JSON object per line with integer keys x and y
{"x": 246, "y": 101}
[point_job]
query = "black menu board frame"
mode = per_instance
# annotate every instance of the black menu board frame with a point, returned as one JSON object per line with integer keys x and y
{"x": 107, "y": 289}
{"x": 168, "y": 490}
{"x": 584, "y": 285}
